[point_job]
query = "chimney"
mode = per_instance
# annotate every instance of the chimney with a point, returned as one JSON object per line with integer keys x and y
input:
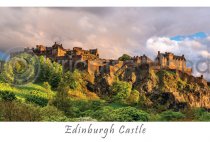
{"x": 158, "y": 52}
{"x": 201, "y": 76}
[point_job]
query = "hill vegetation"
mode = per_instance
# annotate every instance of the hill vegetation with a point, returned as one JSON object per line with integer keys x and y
{"x": 74, "y": 96}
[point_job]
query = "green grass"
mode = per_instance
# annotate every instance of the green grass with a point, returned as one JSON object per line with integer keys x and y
{"x": 22, "y": 92}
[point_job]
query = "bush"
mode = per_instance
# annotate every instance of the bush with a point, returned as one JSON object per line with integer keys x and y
{"x": 181, "y": 84}
{"x": 50, "y": 113}
{"x": 130, "y": 114}
{"x": 18, "y": 111}
{"x": 134, "y": 97}
{"x": 61, "y": 100}
{"x": 120, "y": 114}
{"x": 37, "y": 100}
{"x": 83, "y": 108}
{"x": 46, "y": 85}
{"x": 7, "y": 95}
{"x": 201, "y": 114}
{"x": 171, "y": 116}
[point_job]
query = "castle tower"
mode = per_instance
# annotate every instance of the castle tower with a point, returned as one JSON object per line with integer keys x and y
{"x": 170, "y": 61}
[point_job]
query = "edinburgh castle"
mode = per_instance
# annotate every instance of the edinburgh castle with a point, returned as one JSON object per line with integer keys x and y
{"x": 89, "y": 60}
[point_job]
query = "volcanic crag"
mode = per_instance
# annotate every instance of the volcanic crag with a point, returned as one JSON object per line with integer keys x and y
{"x": 165, "y": 82}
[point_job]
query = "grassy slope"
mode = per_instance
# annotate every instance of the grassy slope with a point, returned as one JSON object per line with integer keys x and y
{"x": 30, "y": 89}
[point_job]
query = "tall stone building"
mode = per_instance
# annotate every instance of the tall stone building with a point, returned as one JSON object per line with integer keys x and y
{"x": 171, "y": 61}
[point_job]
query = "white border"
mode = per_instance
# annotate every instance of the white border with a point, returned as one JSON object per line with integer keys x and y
{"x": 55, "y": 132}
{"x": 112, "y": 3}
{"x": 160, "y": 132}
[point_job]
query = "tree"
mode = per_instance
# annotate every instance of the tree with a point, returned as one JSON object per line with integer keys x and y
{"x": 56, "y": 75}
{"x": 49, "y": 72}
{"x": 49, "y": 92}
{"x": 121, "y": 90}
{"x": 75, "y": 80}
{"x": 124, "y": 57}
{"x": 62, "y": 100}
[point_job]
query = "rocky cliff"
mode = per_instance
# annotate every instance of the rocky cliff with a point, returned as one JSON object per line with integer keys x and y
{"x": 164, "y": 89}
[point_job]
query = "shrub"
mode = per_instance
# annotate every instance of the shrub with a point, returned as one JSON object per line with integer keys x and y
{"x": 84, "y": 108}
{"x": 7, "y": 95}
{"x": 134, "y": 97}
{"x": 120, "y": 114}
{"x": 201, "y": 114}
{"x": 181, "y": 84}
{"x": 62, "y": 100}
{"x": 51, "y": 113}
{"x": 47, "y": 86}
{"x": 130, "y": 114}
{"x": 171, "y": 116}
{"x": 18, "y": 111}
{"x": 37, "y": 100}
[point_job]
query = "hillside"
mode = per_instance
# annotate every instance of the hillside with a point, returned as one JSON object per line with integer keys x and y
{"x": 138, "y": 93}
{"x": 167, "y": 89}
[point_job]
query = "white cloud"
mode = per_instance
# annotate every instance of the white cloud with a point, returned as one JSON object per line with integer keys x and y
{"x": 163, "y": 44}
{"x": 205, "y": 54}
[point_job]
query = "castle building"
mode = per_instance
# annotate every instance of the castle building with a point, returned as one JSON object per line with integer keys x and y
{"x": 142, "y": 59}
{"x": 56, "y": 50}
{"x": 70, "y": 59}
{"x": 89, "y": 60}
{"x": 171, "y": 61}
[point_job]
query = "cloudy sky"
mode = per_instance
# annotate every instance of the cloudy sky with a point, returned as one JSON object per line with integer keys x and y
{"x": 114, "y": 31}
